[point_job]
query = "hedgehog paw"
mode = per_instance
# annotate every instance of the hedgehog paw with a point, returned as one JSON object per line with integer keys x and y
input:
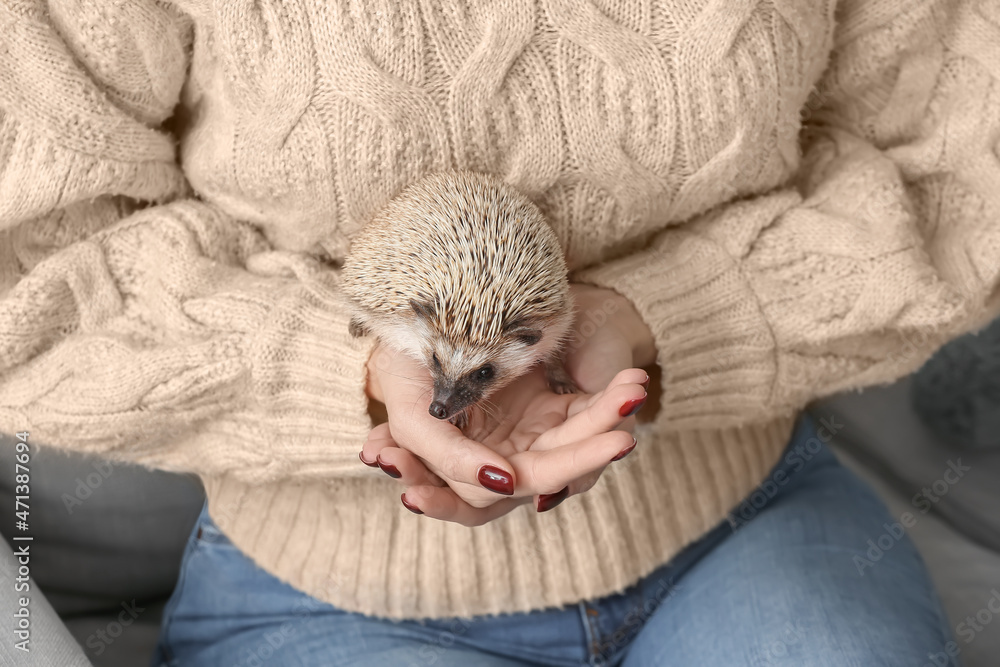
{"x": 559, "y": 380}
{"x": 460, "y": 419}
{"x": 564, "y": 387}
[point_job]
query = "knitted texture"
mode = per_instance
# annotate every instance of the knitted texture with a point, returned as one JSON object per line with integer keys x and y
{"x": 798, "y": 198}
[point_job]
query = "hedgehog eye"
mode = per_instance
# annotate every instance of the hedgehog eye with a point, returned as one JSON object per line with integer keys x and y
{"x": 485, "y": 373}
{"x": 437, "y": 362}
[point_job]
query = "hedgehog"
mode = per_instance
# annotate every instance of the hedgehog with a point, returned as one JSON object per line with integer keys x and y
{"x": 463, "y": 273}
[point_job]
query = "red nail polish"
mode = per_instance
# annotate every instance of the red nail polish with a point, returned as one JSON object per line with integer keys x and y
{"x": 361, "y": 455}
{"x": 623, "y": 453}
{"x": 496, "y": 480}
{"x": 547, "y": 501}
{"x": 408, "y": 505}
{"x": 632, "y": 407}
{"x": 389, "y": 469}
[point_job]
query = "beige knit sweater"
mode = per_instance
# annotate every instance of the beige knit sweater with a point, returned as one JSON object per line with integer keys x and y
{"x": 177, "y": 179}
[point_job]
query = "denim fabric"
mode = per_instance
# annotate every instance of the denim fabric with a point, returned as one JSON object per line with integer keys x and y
{"x": 789, "y": 579}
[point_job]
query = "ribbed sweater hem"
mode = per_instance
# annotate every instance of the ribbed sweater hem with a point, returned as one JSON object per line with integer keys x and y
{"x": 352, "y": 544}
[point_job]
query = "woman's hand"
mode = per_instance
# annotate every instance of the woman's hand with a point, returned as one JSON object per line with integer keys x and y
{"x": 610, "y": 334}
{"x": 524, "y": 442}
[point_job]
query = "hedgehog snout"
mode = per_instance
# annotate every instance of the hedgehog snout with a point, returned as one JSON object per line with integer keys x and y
{"x": 439, "y": 410}
{"x": 451, "y": 398}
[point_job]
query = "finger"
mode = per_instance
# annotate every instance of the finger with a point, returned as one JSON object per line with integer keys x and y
{"x": 381, "y": 451}
{"x": 406, "y": 468}
{"x": 548, "y": 471}
{"x": 595, "y": 364}
{"x": 585, "y": 483}
{"x": 599, "y": 413}
{"x": 378, "y": 439}
{"x": 442, "y": 446}
{"x": 445, "y": 505}
{"x": 456, "y": 458}
{"x": 628, "y": 376}
{"x": 547, "y": 501}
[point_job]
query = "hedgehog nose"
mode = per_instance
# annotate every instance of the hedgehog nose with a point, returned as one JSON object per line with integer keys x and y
{"x": 438, "y": 410}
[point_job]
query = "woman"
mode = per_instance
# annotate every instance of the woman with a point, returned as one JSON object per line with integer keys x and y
{"x": 760, "y": 203}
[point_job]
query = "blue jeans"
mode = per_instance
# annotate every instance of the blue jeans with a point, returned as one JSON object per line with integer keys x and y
{"x": 790, "y": 579}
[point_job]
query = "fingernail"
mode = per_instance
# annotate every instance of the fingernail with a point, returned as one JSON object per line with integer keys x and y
{"x": 547, "y": 501}
{"x": 623, "y": 453}
{"x": 408, "y": 505}
{"x": 632, "y": 407}
{"x": 389, "y": 469}
{"x": 645, "y": 383}
{"x": 496, "y": 480}
{"x": 361, "y": 455}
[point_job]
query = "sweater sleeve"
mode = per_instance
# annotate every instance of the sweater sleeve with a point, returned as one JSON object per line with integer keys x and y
{"x": 172, "y": 336}
{"x": 887, "y": 246}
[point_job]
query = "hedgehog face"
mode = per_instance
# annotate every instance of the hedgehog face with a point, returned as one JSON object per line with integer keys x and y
{"x": 461, "y": 378}
{"x": 465, "y": 372}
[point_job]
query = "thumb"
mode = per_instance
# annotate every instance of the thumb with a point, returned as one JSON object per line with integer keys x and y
{"x": 595, "y": 364}
{"x": 447, "y": 451}
{"x": 474, "y": 463}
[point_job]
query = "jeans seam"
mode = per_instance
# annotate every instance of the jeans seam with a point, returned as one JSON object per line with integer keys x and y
{"x": 637, "y": 609}
{"x": 591, "y": 630}
{"x": 194, "y": 540}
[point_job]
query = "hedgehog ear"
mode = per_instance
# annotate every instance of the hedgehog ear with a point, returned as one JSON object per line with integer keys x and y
{"x": 524, "y": 330}
{"x": 529, "y": 336}
{"x": 422, "y": 309}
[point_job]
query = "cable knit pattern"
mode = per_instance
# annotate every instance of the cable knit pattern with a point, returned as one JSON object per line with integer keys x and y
{"x": 798, "y": 198}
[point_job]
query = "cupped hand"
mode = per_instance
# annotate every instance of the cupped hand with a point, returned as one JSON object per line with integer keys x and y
{"x": 608, "y": 337}
{"x": 524, "y": 442}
